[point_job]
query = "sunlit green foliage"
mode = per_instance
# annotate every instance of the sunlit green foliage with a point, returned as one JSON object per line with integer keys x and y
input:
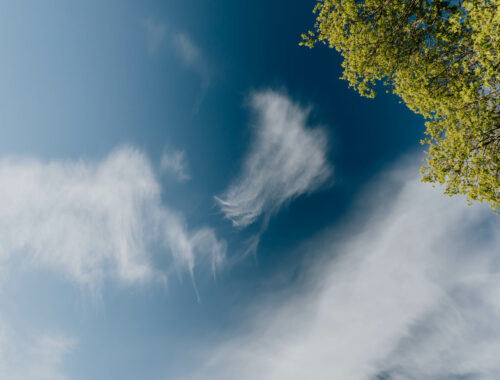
{"x": 442, "y": 59}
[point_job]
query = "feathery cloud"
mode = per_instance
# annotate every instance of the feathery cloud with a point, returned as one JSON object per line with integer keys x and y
{"x": 413, "y": 294}
{"x": 91, "y": 221}
{"x": 286, "y": 159}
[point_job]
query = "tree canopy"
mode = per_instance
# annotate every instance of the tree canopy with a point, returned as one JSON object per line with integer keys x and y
{"x": 442, "y": 58}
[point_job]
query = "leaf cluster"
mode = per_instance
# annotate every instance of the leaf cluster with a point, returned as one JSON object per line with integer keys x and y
{"x": 442, "y": 58}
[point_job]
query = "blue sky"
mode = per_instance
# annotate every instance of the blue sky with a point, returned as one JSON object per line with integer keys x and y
{"x": 186, "y": 193}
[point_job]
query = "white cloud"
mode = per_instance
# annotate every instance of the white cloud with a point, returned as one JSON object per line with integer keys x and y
{"x": 411, "y": 293}
{"x": 286, "y": 159}
{"x": 175, "y": 162}
{"x": 155, "y": 33}
{"x": 39, "y": 358}
{"x": 92, "y": 221}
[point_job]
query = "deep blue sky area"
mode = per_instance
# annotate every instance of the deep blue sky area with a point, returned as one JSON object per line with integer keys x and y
{"x": 82, "y": 79}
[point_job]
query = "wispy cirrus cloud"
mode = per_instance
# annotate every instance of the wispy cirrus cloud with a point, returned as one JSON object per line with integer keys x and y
{"x": 175, "y": 162}
{"x": 95, "y": 220}
{"x": 286, "y": 159}
{"x": 411, "y": 292}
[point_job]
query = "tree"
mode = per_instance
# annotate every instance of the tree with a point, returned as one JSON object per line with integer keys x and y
{"x": 442, "y": 58}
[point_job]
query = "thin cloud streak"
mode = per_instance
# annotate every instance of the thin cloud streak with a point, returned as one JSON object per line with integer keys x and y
{"x": 92, "y": 221}
{"x": 286, "y": 159}
{"x": 413, "y": 294}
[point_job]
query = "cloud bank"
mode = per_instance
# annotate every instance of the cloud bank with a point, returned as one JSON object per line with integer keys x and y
{"x": 412, "y": 292}
{"x": 286, "y": 159}
{"x": 95, "y": 220}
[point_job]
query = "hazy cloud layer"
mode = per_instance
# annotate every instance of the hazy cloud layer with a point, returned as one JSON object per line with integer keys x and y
{"x": 193, "y": 58}
{"x": 175, "y": 162}
{"x": 36, "y": 358}
{"x": 286, "y": 159}
{"x": 189, "y": 52}
{"x": 92, "y": 220}
{"x": 413, "y": 294}
{"x": 155, "y": 33}
{"x": 182, "y": 44}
